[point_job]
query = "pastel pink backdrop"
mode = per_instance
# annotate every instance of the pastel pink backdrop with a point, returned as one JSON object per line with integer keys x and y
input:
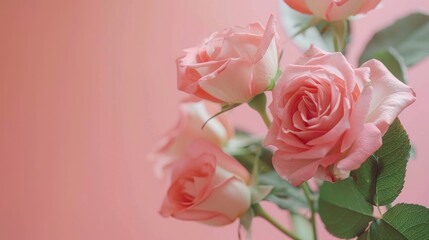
{"x": 87, "y": 88}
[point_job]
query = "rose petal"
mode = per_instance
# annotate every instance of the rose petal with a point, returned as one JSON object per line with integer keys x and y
{"x": 369, "y": 5}
{"x": 368, "y": 141}
{"x": 265, "y": 69}
{"x": 233, "y": 192}
{"x": 357, "y": 117}
{"x": 188, "y": 77}
{"x": 296, "y": 171}
{"x": 207, "y": 217}
{"x": 390, "y": 96}
{"x": 298, "y": 5}
{"x": 193, "y": 113}
{"x": 334, "y": 63}
{"x": 230, "y": 84}
{"x": 224, "y": 160}
{"x": 340, "y": 10}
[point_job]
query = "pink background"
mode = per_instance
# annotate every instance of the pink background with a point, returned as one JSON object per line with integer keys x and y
{"x": 86, "y": 89}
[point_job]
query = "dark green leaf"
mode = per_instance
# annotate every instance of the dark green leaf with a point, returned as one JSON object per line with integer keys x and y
{"x": 364, "y": 236}
{"x": 343, "y": 209}
{"x": 403, "y": 221}
{"x": 381, "y": 178}
{"x": 365, "y": 179}
{"x": 408, "y": 36}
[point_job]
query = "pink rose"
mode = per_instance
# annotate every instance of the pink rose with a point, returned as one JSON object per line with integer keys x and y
{"x": 231, "y": 66}
{"x": 329, "y": 117}
{"x": 193, "y": 114}
{"x": 208, "y": 186}
{"x": 332, "y": 10}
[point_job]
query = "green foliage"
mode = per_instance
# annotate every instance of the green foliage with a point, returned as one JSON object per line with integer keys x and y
{"x": 245, "y": 148}
{"x": 363, "y": 236}
{"x": 302, "y": 227}
{"x": 246, "y": 219}
{"x": 246, "y": 222}
{"x": 381, "y": 178}
{"x": 305, "y": 30}
{"x": 403, "y": 221}
{"x": 407, "y": 37}
{"x": 284, "y": 195}
{"x": 343, "y": 209}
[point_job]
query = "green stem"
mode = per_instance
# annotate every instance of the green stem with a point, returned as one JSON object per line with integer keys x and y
{"x": 307, "y": 26}
{"x": 266, "y": 119}
{"x": 255, "y": 169}
{"x": 260, "y": 212}
{"x": 310, "y": 200}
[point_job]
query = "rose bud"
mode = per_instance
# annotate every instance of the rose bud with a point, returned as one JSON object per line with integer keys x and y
{"x": 329, "y": 117}
{"x": 193, "y": 114}
{"x": 333, "y": 10}
{"x": 231, "y": 66}
{"x": 207, "y": 186}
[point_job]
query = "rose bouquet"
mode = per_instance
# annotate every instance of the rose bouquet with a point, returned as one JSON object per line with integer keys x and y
{"x": 334, "y": 144}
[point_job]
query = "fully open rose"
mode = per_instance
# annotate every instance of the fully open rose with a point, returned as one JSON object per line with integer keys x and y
{"x": 193, "y": 114}
{"x": 231, "y": 66}
{"x": 333, "y": 10}
{"x": 330, "y": 117}
{"x": 208, "y": 186}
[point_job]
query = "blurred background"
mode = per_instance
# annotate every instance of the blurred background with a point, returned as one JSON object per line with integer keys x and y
{"x": 87, "y": 87}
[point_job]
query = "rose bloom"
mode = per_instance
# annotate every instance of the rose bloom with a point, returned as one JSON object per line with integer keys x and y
{"x": 329, "y": 117}
{"x": 207, "y": 186}
{"x": 332, "y": 10}
{"x": 193, "y": 114}
{"x": 231, "y": 66}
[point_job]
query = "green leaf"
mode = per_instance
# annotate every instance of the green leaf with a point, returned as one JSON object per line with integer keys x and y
{"x": 343, "y": 209}
{"x": 284, "y": 195}
{"x": 403, "y": 221}
{"x": 363, "y": 236}
{"x": 381, "y": 178}
{"x": 408, "y": 36}
{"x": 365, "y": 179}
